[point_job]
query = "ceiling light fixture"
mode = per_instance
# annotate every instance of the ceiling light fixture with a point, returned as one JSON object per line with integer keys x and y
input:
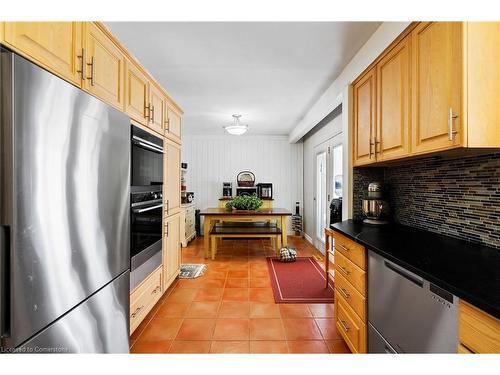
{"x": 236, "y": 128}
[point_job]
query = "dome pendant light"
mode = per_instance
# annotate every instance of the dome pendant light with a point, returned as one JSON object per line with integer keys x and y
{"x": 236, "y": 128}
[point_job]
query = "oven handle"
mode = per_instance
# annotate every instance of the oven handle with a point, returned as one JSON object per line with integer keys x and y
{"x": 141, "y": 210}
{"x": 146, "y": 144}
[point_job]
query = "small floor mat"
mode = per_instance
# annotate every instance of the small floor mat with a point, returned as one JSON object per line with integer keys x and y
{"x": 192, "y": 271}
{"x": 302, "y": 281}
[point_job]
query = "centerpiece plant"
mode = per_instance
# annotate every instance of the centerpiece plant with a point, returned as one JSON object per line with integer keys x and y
{"x": 244, "y": 202}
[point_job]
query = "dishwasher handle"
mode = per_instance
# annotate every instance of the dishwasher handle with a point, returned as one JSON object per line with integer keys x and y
{"x": 406, "y": 274}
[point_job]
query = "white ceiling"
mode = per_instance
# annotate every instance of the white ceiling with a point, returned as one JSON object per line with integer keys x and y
{"x": 270, "y": 73}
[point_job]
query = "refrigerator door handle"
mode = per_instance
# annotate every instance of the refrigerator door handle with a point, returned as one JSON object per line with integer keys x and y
{"x": 4, "y": 281}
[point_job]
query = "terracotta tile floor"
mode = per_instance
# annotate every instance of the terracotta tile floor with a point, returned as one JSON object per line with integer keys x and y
{"x": 231, "y": 309}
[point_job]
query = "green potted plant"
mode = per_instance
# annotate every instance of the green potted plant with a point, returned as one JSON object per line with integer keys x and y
{"x": 244, "y": 202}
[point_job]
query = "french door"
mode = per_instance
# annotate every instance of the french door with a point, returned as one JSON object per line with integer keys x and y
{"x": 328, "y": 184}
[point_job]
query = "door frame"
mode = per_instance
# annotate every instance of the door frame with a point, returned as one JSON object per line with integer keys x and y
{"x": 319, "y": 149}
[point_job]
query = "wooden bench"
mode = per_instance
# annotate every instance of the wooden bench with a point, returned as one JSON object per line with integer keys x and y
{"x": 245, "y": 230}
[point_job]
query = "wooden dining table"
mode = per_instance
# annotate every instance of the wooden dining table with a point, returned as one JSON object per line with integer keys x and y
{"x": 213, "y": 215}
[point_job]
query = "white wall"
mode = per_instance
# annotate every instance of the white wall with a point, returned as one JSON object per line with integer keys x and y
{"x": 213, "y": 160}
{"x": 336, "y": 93}
{"x": 313, "y": 139}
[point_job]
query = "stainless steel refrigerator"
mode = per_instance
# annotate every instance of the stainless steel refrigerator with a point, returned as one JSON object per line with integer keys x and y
{"x": 64, "y": 215}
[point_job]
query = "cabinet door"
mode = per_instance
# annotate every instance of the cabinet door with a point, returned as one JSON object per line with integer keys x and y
{"x": 136, "y": 93}
{"x": 172, "y": 178}
{"x": 483, "y": 84}
{"x": 157, "y": 102}
{"x": 437, "y": 86}
{"x": 364, "y": 92}
{"x": 393, "y": 103}
{"x": 173, "y": 128}
{"x": 105, "y": 67}
{"x": 171, "y": 249}
{"x": 56, "y": 46}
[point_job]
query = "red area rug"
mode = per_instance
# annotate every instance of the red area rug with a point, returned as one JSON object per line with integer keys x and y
{"x": 302, "y": 281}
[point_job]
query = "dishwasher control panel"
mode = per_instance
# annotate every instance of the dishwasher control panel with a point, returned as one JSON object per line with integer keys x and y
{"x": 441, "y": 295}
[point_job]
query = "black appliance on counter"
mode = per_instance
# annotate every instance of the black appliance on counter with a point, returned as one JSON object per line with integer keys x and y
{"x": 240, "y": 190}
{"x": 146, "y": 205}
{"x": 335, "y": 210}
{"x": 227, "y": 189}
{"x": 265, "y": 190}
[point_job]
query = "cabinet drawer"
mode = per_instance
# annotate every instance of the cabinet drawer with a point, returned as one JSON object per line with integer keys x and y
{"x": 351, "y": 250}
{"x": 144, "y": 297}
{"x": 478, "y": 331}
{"x": 351, "y": 295}
{"x": 352, "y": 329}
{"x": 352, "y": 273}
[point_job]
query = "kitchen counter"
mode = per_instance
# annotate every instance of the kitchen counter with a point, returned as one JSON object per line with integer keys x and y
{"x": 469, "y": 271}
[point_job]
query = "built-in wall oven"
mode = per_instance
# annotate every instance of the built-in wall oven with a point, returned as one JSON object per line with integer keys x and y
{"x": 146, "y": 209}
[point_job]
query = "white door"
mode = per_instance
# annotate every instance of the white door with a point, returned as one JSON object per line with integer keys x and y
{"x": 328, "y": 184}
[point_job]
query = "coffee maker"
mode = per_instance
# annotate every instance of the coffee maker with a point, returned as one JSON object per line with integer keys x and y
{"x": 265, "y": 190}
{"x": 227, "y": 190}
{"x": 375, "y": 208}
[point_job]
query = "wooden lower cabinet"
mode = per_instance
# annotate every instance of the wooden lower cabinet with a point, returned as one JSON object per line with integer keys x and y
{"x": 57, "y": 46}
{"x": 350, "y": 325}
{"x": 479, "y": 332}
{"x": 172, "y": 177}
{"x": 350, "y": 312}
{"x": 144, "y": 297}
{"x": 188, "y": 231}
{"x": 171, "y": 249}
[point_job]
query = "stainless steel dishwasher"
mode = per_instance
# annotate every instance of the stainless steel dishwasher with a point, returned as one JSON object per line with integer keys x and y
{"x": 406, "y": 313}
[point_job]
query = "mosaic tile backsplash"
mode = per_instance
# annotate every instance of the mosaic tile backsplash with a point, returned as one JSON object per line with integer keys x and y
{"x": 454, "y": 197}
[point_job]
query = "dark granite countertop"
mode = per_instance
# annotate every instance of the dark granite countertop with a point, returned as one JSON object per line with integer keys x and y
{"x": 469, "y": 271}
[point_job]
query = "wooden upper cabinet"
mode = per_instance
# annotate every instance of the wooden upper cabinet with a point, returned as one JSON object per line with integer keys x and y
{"x": 483, "y": 84}
{"x": 57, "y": 46}
{"x": 136, "y": 93}
{"x": 364, "y": 92}
{"x": 172, "y": 178}
{"x": 105, "y": 67}
{"x": 393, "y": 103}
{"x": 437, "y": 86}
{"x": 157, "y": 102}
{"x": 173, "y": 126}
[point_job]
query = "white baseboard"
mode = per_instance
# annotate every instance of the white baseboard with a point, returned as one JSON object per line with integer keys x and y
{"x": 308, "y": 238}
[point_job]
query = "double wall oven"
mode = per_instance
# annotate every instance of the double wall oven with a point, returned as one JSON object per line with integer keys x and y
{"x": 146, "y": 202}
